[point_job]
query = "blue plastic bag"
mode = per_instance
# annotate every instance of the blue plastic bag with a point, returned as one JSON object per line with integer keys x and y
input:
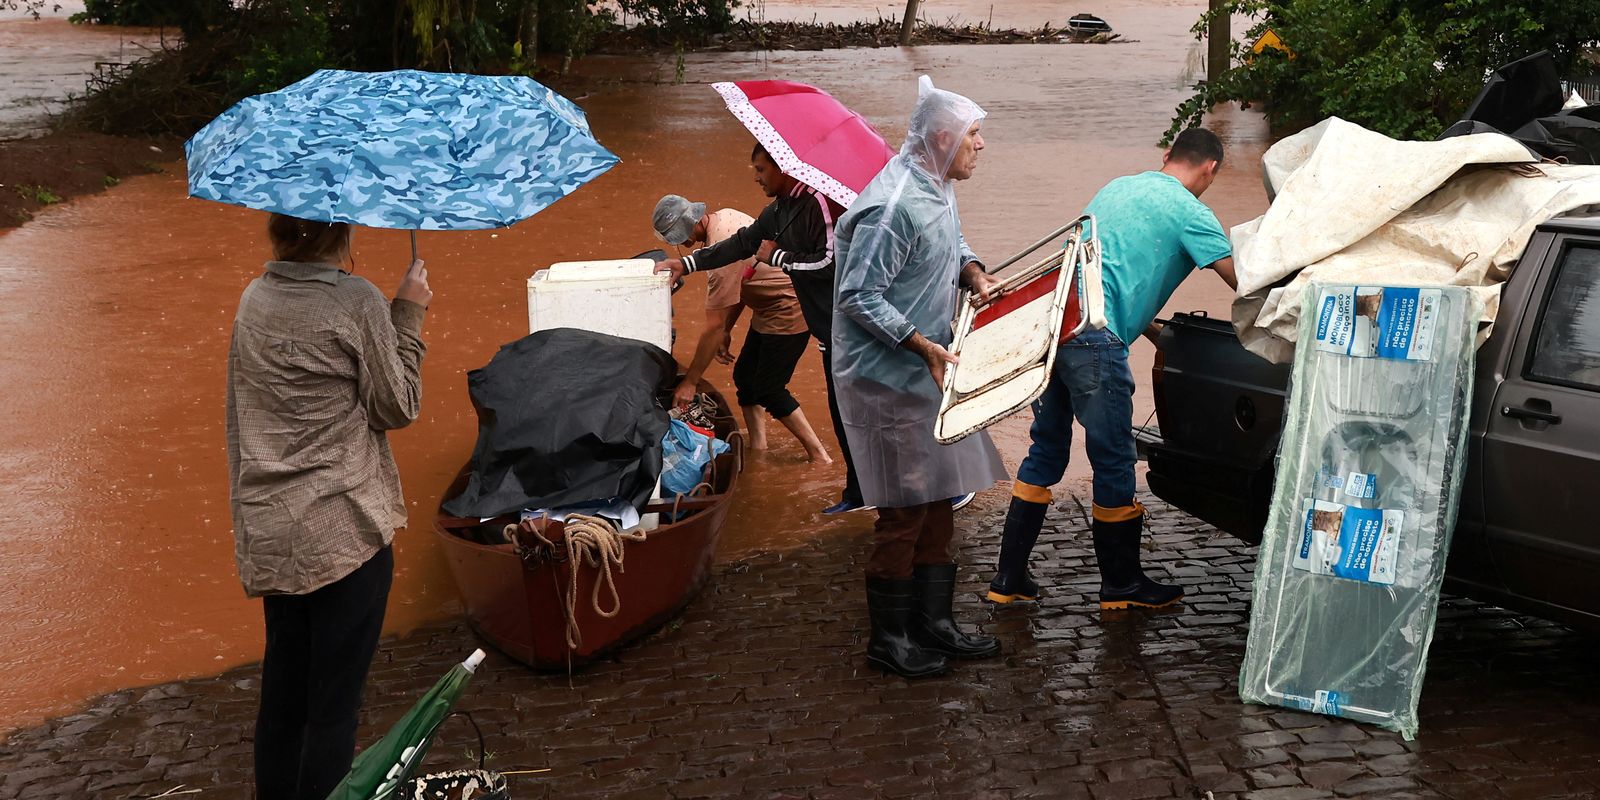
{"x": 684, "y": 455}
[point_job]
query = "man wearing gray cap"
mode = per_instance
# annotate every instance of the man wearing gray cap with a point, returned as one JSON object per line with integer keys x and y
{"x": 777, "y": 336}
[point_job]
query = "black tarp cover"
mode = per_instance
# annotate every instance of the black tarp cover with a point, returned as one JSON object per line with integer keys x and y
{"x": 564, "y": 417}
{"x": 1523, "y": 100}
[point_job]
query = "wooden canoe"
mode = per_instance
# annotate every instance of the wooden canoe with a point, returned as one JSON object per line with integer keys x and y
{"x": 516, "y": 595}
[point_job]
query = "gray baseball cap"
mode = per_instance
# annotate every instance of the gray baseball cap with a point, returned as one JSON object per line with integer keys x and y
{"x": 675, "y": 218}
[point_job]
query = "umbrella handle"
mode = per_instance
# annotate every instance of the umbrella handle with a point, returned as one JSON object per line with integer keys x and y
{"x": 413, "y": 246}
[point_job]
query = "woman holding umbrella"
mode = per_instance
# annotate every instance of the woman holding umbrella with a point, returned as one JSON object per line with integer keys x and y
{"x": 320, "y": 367}
{"x": 322, "y": 364}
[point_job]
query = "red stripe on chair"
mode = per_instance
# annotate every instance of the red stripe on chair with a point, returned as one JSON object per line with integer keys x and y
{"x": 1033, "y": 290}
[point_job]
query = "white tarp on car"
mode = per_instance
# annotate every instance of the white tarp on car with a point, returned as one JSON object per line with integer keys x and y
{"x": 1354, "y": 206}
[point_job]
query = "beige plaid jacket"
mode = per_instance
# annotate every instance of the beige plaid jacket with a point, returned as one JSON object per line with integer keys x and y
{"x": 320, "y": 366}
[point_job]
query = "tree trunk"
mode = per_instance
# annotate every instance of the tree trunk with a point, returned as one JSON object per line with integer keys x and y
{"x": 1219, "y": 40}
{"x": 394, "y": 42}
{"x": 908, "y": 23}
{"x": 529, "y": 34}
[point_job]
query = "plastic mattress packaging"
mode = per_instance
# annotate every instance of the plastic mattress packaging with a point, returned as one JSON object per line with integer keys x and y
{"x": 1369, "y": 477}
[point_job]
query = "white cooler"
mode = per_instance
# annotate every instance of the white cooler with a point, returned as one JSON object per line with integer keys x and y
{"x": 623, "y": 298}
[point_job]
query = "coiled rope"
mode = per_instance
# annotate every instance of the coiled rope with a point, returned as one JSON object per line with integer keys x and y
{"x": 594, "y": 542}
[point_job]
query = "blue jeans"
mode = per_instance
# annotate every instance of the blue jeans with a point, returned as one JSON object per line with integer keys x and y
{"x": 1092, "y": 382}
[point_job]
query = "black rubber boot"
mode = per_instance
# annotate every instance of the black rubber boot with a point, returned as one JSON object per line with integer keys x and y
{"x": 1011, "y": 579}
{"x": 891, "y": 648}
{"x": 1122, "y": 582}
{"x": 932, "y": 624}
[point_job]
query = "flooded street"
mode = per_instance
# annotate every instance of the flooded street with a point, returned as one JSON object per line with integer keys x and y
{"x": 43, "y": 61}
{"x": 117, "y": 562}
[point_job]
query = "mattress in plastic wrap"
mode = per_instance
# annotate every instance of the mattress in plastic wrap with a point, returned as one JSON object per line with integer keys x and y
{"x": 1369, "y": 477}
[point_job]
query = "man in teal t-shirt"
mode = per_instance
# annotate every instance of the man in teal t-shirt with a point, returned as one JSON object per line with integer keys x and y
{"x": 1153, "y": 232}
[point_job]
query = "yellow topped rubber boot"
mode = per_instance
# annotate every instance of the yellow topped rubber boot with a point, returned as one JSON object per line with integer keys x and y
{"x": 1123, "y": 584}
{"x": 1024, "y": 519}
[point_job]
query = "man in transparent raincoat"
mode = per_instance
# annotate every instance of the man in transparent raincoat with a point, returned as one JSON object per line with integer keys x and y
{"x": 901, "y": 262}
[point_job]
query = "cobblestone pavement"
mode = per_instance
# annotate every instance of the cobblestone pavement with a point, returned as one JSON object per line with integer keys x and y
{"x": 761, "y": 691}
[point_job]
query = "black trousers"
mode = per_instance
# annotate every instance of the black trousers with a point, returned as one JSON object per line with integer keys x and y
{"x": 815, "y": 292}
{"x": 765, "y": 365}
{"x": 319, "y": 646}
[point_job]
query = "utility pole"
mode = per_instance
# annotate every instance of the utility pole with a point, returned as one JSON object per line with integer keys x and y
{"x": 908, "y": 23}
{"x": 1219, "y": 40}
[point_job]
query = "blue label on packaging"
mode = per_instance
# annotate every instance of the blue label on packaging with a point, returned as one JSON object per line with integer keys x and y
{"x": 1397, "y": 320}
{"x": 1363, "y": 485}
{"x": 1306, "y": 538}
{"x": 1326, "y": 318}
{"x": 1327, "y": 703}
{"x": 1358, "y": 544}
{"x": 1321, "y": 701}
{"x": 1378, "y": 322}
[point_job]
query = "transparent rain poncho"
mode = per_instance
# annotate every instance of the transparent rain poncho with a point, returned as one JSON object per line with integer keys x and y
{"x": 900, "y": 251}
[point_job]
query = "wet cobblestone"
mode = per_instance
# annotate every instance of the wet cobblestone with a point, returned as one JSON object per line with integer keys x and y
{"x": 760, "y": 691}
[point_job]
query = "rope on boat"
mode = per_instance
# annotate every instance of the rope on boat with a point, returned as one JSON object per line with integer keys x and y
{"x": 678, "y": 500}
{"x": 594, "y": 542}
{"x": 733, "y": 436}
{"x": 597, "y": 542}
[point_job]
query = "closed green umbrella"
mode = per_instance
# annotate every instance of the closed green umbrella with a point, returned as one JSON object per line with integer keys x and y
{"x": 381, "y": 769}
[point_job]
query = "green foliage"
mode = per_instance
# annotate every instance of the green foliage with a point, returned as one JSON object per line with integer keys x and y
{"x": 1406, "y": 68}
{"x": 682, "y": 17}
{"x": 232, "y": 49}
{"x": 486, "y": 35}
{"x": 569, "y": 27}
{"x": 471, "y": 756}
{"x": 454, "y": 35}
{"x": 191, "y": 16}
{"x": 43, "y": 195}
{"x": 287, "y": 41}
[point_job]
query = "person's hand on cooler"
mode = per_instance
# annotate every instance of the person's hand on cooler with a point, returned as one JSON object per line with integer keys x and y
{"x": 672, "y": 267}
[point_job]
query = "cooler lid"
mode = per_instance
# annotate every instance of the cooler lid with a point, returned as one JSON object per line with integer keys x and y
{"x": 624, "y": 269}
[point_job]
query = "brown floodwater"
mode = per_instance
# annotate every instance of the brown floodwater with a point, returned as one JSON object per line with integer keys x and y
{"x": 43, "y": 61}
{"x": 116, "y": 567}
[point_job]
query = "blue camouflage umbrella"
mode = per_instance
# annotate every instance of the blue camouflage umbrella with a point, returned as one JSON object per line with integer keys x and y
{"x": 403, "y": 149}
